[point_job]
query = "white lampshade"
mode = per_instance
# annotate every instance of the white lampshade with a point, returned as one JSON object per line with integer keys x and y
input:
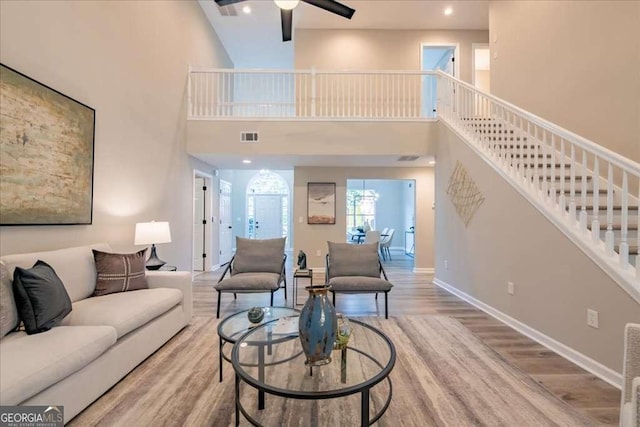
{"x": 148, "y": 233}
{"x": 286, "y": 4}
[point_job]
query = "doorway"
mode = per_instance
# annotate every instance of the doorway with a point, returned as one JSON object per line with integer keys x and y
{"x": 436, "y": 56}
{"x": 481, "y": 77}
{"x": 226, "y": 229}
{"x": 202, "y": 222}
{"x": 267, "y": 206}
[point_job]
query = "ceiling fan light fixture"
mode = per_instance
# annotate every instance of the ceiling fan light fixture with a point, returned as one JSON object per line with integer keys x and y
{"x": 286, "y": 4}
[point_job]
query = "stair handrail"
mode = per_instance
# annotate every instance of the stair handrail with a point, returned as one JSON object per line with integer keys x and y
{"x": 618, "y": 159}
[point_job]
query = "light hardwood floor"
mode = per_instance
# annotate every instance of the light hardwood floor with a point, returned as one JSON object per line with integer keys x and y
{"x": 415, "y": 294}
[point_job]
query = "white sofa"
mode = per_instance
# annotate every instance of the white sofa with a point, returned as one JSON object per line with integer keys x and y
{"x": 98, "y": 343}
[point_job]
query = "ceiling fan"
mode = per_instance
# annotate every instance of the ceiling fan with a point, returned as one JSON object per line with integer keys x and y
{"x": 287, "y": 6}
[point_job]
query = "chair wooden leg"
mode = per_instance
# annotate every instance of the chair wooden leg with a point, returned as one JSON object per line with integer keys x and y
{"x": 271, "y": 298}
{"x": 386, "y": 306}
{"x": 376, "y": 296}
{"x": 218, "y": 311}
{"x": 235, "y": 296}
{"x": 333, "y": 294}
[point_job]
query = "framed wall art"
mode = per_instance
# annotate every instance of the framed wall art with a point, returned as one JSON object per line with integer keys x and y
{"x": 321, "y": 203}
{"x": 46, "y": 154}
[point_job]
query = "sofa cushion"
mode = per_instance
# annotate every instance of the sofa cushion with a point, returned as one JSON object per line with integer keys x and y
{"x": 31, "y": 363}
{"x": 41, "y": 298}
{"x": 124, "y": 311}
{"x": 250, "y": 282}
{"x": 8, "y": 311}
{"x": 74, "y": 266}
{"x": 359, "y": 284}
{"x": 353, "y": 260}
{"x": 119, "y": 272}
{"x": 258, "y": 255}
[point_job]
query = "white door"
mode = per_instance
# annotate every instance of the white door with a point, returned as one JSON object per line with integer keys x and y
{"x": 268, "y": 214}
{"x": 226, "y": 234}
{"x": 199, "y": 218}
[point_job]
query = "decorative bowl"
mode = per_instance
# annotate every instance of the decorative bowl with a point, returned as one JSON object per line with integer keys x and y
{"x": 255, "y": 314}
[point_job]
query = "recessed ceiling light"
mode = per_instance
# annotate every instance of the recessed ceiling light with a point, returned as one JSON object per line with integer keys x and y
{"x": 432, "y": 162}
{"x": 448, "y": 11}
{"x": 246, "y": 161}
{"x": 246, "y": 9}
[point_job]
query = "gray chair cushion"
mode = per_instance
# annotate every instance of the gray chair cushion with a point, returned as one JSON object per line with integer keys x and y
{"x": 357, "y": 284}
{"x": 250, "y": 282}
{"x": 353, "y": 260}
{"x": 258, "y": 256}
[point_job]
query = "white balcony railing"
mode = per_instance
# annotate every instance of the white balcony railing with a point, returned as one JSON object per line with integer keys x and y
{"x": 310, "y": 94}
{"x": 590, "y": 193}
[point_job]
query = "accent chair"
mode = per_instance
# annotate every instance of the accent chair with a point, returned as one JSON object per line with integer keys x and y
{"x": 356, "y": 269}
{"x": 257, "y": 266}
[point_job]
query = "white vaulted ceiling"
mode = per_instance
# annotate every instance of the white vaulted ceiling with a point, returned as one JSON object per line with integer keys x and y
{"x": 254, "y": 40}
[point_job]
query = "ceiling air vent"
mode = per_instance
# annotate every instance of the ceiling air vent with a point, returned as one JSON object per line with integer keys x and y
{"x": 228, "y": 10}
{"x": 408, "y": 158}
{"x": 249, "y": 136}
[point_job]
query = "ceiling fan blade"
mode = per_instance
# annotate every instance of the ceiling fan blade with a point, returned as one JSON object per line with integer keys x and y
{"x": 227, "y": 2}
{"x": 333, "y": 7}
{"x": 286, "y": 16}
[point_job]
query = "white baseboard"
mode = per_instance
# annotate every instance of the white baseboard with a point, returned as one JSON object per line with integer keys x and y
{"x": 428, "y": 270}
{"x": 596, "y": 368}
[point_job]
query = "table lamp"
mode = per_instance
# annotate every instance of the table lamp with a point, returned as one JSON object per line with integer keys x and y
{"x": 150, "y": 233}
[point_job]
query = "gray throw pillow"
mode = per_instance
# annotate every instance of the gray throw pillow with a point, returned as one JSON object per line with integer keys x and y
{"x": 353, "y": 260}
{"x": 8, "y": 312}
{"x": 41, "y": 297}
{"x": 119, "y": 272}
{"x": 258, "y": 255}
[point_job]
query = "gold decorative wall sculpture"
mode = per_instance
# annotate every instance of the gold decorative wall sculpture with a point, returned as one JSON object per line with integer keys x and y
{"x": 464, "y": 193}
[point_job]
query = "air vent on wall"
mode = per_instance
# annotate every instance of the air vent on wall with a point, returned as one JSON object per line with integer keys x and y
{"x": 228, "y": 10}
{"x": 408, "y": 158}
{"x": 249, "y": 136}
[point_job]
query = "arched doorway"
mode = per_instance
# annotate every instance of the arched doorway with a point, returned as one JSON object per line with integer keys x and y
{"x": 267, "y": 206}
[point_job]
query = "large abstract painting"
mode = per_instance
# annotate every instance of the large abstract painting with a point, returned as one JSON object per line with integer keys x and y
{"x": 46, "y": 154}
{"x": 321, "y": 203}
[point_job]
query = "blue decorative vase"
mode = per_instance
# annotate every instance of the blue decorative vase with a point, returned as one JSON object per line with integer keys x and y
{"x": 317, "y": 326}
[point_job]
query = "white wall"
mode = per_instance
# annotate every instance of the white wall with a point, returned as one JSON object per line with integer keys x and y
{"x": 336, "y": 49}
{"x": 575, "y": 63}
{"x": 510, "y": 240}
{"x": 129, "y": 61}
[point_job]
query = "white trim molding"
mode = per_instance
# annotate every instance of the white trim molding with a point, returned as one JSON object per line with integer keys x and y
{"x": 596, "y": 368}
{"x": 428, "y": 270}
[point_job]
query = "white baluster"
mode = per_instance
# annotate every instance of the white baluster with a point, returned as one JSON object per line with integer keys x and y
{"x": 552, "y": 178}
{"x": 608, "y": 236}
{"x": 572, "y": 182}
{"x": 583, "y": 195}
{"x": 595, "y": 222}
{"x": 545, "y": 184}
{"x": 624, "y": 229}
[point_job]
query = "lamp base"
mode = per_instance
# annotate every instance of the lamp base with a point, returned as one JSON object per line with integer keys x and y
{"x": 154, "y": 263}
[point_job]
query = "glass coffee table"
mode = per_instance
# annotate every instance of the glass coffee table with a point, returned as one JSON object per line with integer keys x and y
{"x": 269, "y": 358}
{"x": 233, "y": 327}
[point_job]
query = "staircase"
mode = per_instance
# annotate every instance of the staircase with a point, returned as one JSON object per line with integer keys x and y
{"x": 555, "y": 176}
{"x": 590, "y": 193}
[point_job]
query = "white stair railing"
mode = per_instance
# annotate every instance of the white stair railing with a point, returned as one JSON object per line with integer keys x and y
{"x": 310, "y": 94}
{"x": 588, "y": 191}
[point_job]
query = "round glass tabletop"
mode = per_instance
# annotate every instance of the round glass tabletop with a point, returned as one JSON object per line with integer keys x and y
{"x": 270, "y": 358}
